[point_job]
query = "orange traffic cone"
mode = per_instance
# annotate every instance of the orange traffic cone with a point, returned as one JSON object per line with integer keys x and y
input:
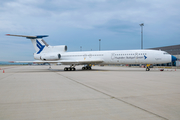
{"x": 3, "y": 71}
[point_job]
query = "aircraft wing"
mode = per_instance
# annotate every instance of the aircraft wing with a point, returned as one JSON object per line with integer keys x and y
{"x": 65, "y": 62}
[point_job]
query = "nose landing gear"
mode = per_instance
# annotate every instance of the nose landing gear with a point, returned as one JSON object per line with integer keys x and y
{"x": 148, "y": 67}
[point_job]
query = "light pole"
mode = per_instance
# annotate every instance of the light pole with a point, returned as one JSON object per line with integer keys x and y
{"x": 80, "y": 48}
{"x": 99, "y": 44}
{"x": 142, "y": 24}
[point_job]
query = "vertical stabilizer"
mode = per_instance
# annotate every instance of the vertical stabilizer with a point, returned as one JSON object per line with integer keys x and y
{"x": 39, "y": 45}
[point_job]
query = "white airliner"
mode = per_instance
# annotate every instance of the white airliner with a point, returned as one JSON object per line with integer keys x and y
{"x": 57, "y": 54}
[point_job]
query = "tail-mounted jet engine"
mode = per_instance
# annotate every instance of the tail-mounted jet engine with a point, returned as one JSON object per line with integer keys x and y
{"x": 62, "y": 48}
{"x": 47, "y": 57}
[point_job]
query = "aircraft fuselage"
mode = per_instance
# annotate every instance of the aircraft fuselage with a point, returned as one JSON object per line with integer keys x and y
{"x": 116, "y": 56}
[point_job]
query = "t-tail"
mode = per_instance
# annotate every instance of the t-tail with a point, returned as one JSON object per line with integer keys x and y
{"x": 43, "y": 50}
{"x": 39, "y": 44}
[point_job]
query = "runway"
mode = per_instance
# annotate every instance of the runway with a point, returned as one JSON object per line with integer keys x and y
{"x": 103, "y": 93}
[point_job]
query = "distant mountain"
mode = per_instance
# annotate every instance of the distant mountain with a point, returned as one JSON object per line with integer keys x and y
{"x": 9, "y": 63}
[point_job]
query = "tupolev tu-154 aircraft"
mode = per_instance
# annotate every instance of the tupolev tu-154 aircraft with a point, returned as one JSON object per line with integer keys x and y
{"x": 58, "y": 54}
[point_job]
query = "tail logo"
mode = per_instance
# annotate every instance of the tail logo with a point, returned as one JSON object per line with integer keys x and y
{"x": 40, "y": 46}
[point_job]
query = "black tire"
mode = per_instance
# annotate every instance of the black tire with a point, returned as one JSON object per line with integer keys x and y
{"x": 69, "y": 69}
{"x": 65, "y": 69}
{"x": 83, "y": 68}
{"x": 147, "y": 69}
{"x": 89, "y": 68}
{"x": 86, "y": 68}
{"x": 73, "y": 69}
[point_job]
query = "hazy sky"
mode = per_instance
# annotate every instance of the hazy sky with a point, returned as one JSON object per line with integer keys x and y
{"x": 78, "y": 23}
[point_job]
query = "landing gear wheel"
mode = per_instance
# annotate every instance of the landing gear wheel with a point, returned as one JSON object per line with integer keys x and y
{"x": 86, "y": 68}
{"x": 65, "y": 69}
{"x": 147, "y": 69}
{"x": 73, "y": 69}
{"x": 69, "y": 69}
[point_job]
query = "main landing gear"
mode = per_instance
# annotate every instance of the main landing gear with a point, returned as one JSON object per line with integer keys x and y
{"x": 148, "y": 67}
{"x": 88, "y": 67}
{"x": 71, "y": 68}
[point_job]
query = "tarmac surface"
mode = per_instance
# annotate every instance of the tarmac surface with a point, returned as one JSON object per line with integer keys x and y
{"x": 103, "y": 93}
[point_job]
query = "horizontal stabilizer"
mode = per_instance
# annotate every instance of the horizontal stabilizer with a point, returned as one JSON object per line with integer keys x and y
{"x": 28, "y": 37}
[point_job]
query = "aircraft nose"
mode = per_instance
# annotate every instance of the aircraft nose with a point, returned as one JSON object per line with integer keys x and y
{"x": 173, "y": 58}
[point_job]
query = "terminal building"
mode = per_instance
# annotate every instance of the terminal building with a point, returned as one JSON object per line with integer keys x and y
{"x": 173, "y": 50}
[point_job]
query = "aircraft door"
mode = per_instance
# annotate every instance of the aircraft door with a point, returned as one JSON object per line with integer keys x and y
{"x": 115, "y": 58}
{"x": 112, "y": 58}
{"x": 136, "y": 57}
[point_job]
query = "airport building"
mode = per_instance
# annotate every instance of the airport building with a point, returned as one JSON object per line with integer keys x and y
{"x": 173, "y": 50}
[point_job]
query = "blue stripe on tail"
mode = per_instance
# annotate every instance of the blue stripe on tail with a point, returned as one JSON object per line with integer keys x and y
{"x": 40, "y": 46}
